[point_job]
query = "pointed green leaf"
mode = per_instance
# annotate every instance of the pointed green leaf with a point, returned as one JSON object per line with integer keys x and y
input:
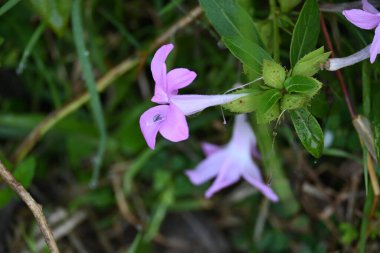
{"x": 302, "y": 85}
{"x": 55, "y": 13}
{"x": 250, "y": 54}
{"x": 273, "y": 74}
{"x": 230, "y": 20}
{"x": 308, "y": 131}
{"x": 311, "y": 63}
{"x": 306, "y": 31}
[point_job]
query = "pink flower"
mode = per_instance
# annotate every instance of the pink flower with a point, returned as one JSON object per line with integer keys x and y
{"x": 231, "y": 162}
{"x": 169, "y": 117}
{"x": 368, "y": 19}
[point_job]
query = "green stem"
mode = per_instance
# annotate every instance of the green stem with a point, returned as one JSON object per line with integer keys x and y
{"x": 273, "y": 168}
{"x": 276, "y": 37}
{"x": 366, "y": 212}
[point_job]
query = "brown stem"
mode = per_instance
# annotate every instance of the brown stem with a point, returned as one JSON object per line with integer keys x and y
{"x": 33, "y": 206}
{"x": 338, "y": 73}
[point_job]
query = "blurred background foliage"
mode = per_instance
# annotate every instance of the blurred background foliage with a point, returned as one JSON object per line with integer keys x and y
{"x": 143, "y": 202}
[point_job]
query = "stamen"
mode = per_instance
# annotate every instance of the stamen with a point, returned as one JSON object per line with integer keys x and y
{"x": 243, "y": 85}
{"x": 224, "y": 118}
{"x": 157, "y": 117}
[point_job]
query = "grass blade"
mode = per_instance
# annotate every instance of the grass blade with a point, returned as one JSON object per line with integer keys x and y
{"x": 91, "y": 86}
{"x": 7, "y": 6}
{"x": 29, "y": 47}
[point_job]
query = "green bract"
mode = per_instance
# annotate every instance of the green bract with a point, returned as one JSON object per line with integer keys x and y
{"x": 290, "y": 101}
{"x": 294, "y": 93}
{"x": 273, "y": 74}
{"x": 311, "y": 63}
{"x": 247, "y": 103}
{"x": 302, "y": 85}
{"x": 271, "y": 114}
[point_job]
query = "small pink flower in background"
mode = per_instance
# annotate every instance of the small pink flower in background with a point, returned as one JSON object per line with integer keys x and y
{"x": 231, "y": 162}
{"x": 368, "y": 19}
{"x": 169, "y": 117}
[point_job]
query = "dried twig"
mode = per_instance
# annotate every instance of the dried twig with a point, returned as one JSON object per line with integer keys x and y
{"x": 122, "y": 203}
{"x": 67, "y": 227}
{"x": 33, "y": 206}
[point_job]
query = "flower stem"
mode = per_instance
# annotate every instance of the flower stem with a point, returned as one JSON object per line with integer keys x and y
{"x": 339, "y": 75}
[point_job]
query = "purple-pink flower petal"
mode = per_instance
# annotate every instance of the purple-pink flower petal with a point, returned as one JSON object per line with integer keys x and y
{"x": 251, "y": 174}
{"x": 209, "y": 148}
{"x": 151, "y": 121}
{"x": 231, "y": 162}
{"x": 207, "y": 169}
{"x": 160, "y": 95}
{"x": 179, "y": 78}
{"x": 158, "y": 62}
{"x": 174, "y": 127}
{"x": 263, "y": 188}
{"x": 362, "y": 19}
{"x": 369, "y": 7}
{"x": 375, "y": 46}
{"x": 228, "y": 175}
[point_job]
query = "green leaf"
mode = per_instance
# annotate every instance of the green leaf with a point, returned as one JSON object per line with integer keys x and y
{"x": 273, "y": 74}
{"x": 55, "y": 13}
{"x": 230, "y": 20}
{"x": 247, "y": 103}
{"x": 311, "y": 63}
{"x": 306, "y": 31}
{"x": 250, "y": 54}
{"x": 24, "y": 174}
{"x": 287, "y": 5}
{"x": 308, "y": 130}
{"x": 302, "y": 85}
